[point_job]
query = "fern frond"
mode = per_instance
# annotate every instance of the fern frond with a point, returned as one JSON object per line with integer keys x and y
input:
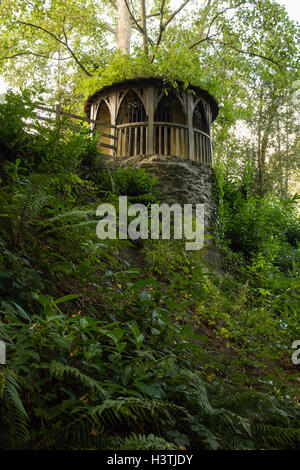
{"x": 59, "y": 370}
{"x": 13, "y": 412}
{"x": 143, "y": 442}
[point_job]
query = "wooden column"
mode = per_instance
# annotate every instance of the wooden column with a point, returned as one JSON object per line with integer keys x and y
{"x": 151, "y": 109}
{"x": 113, "y": 115}
{"x": 190, "y": 111}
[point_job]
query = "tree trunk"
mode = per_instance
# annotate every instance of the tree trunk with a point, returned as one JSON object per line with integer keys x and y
{"x": 124, "y": 28}
{"x": 144, "y": 26}
{"x": 266, "y": 121}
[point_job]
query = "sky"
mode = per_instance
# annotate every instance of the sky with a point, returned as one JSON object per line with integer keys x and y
{"x": 292, "y": 6}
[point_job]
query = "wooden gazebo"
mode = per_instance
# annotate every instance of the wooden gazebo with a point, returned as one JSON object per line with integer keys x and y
{"x": 146, "y": 116}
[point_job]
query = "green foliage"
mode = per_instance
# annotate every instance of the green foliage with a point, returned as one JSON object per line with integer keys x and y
{"x": 33, "y": 145}
{"x": 147, "y": 351}
{"x": 254, "y": 224}
{"x": 132, "y": 182}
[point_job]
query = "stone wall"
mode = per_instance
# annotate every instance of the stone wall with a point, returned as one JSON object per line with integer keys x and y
{"x": 181, "y": 181}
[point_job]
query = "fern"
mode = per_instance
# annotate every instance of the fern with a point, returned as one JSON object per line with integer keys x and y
{"x": 13, "y": 412}
{"x": 58, "y": 370}
{"x": 276, "y": 436}
{"x": 23, "y": 204}
{"x": 143, "y": 442}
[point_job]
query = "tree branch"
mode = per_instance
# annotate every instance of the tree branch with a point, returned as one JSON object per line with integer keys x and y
{"x": 113, "y": 3}
{"x": 151, "y": 15}
{"x": 207, "y": 38}
{"x": 109, "y": 28}
{"x": 251, "y": 54}
{"x": 162, "y": 26}
{"x": 18, "y": 54}
{"x": 140, "y": 29}
{"x": 222, "y": 13}
{"x": 74, "y": 56}
{"x": 176, "y": 12}
{"x": 58, "y": 40}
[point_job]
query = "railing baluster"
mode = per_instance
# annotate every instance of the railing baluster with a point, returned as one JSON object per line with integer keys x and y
{"x": 142, "y": 140}
{"x": 194, "y": 157}
{"x": 120, "y": 150}
{"x": 200, "y": 136}
{"x": 147, "y": 139}
{"x": 125, "y": 142}
{"x": 208, "y": 151}
{"x": 135, "y": 141}
{"x": 177, "y": 141}
{"x": 166, "y": 140}
{"x": 200, "y": 147}
{"x": 122, "y": 143}
{"x": 119, "y": 142}
{"x": 159, "y": 141}
{"x": 182, "y": 141}
{"x": 130, "y": 141}
{"x": 172, "y": 149}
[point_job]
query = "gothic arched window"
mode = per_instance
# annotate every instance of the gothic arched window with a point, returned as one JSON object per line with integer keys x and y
{"x": 103, "y": 115}
{"x": 169, "y": 109}
{"x": 169, "y": 137}
{"x": 131, "y": 139}
{"x": 131, "y": 109}
{"x": 199, "y": 118}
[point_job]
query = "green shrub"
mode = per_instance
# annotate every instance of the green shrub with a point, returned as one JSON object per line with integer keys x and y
{"x": 132, "y": 182}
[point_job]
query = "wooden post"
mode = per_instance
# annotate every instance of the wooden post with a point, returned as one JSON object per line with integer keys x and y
{"x": 151, "y": 110}
{"x": 191, "y": 155}
{"x": 113, "y": 116}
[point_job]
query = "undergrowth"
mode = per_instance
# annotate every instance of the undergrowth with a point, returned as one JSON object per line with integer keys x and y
{"x": 116, "y": 346}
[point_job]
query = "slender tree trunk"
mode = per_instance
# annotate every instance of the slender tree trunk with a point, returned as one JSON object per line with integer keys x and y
{"x": 259, "y": 163}
{"x": 124, "y": 28}
{"x": 58, "y": 79}
{"x": 144, "y": 26}
{"x": 262, "y": 156}
{"x": 280, "y": 156}
{"x": 266, "y": 121}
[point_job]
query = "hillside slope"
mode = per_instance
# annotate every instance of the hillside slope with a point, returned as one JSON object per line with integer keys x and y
{"x": 114, "y": 344}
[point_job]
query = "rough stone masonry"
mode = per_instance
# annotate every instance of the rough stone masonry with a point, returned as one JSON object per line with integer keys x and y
{"x": 181, "y": 181}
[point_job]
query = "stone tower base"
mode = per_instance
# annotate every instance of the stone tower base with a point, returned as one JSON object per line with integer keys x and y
{"x": 181, "y": 181}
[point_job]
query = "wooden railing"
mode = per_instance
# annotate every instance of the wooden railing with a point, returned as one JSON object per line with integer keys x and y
{"x": 171, "y": 139}
{"x": 132, "y": 139}
{"x": 58, "y": 111}
{"x": 202, "y": 147}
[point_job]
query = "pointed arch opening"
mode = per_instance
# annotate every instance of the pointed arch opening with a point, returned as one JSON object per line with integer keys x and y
{"x": 200, "y": 119}
{"x": 103, "y": 115}
{"x": 170, "y": 138}
{"x": 131, "y": 109}
{"x": 202, "y": 144}
{"x": 170, "y": 109}
{"x": 132, "y": 126}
